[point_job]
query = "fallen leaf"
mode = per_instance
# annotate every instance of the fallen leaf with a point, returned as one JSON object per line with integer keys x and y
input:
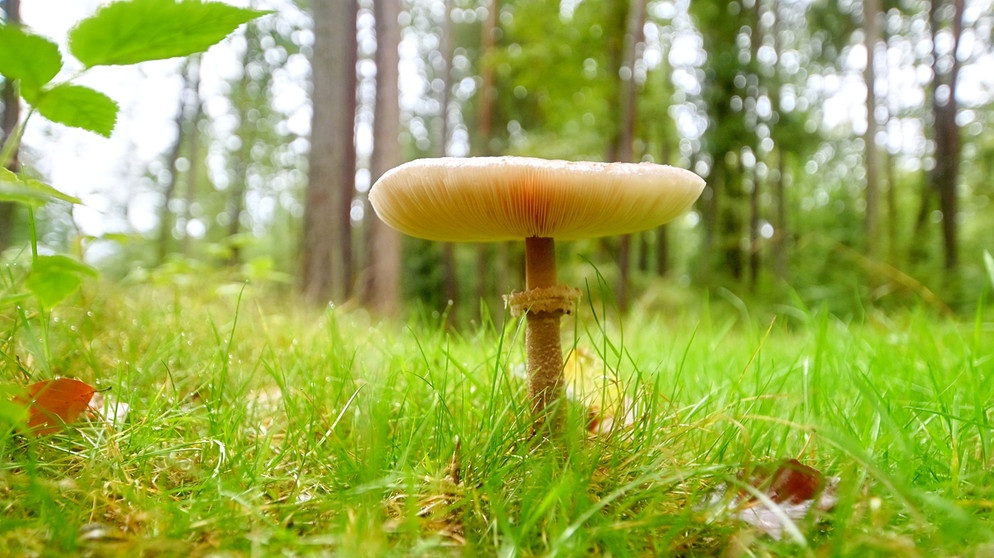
{"x": 788, "y": 481}
{"x": 54, "y": 403}
{"x": 590, "y": 382}
{"x": 789, "y": 490}
{"x": 110, "y": 409}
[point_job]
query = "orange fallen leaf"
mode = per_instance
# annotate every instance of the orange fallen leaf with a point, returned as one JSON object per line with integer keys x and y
{"x": 590, "y": 382}
{"x": 788, "y": 481}
{"x": 55, "y": 403}
{"x": 789, "y": 489}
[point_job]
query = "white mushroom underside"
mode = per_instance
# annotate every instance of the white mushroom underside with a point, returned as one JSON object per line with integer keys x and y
{"x": 507, "y": 198}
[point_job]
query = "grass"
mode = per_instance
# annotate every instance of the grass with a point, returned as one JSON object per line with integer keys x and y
{"x": 257, "y": 427}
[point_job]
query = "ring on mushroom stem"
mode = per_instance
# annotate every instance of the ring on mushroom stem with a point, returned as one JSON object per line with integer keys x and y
{"x": 488, "y": 199}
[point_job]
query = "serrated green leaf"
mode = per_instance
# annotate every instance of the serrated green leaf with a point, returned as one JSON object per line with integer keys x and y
{"x": 29, "y": 192}
{"x": 142, "y": 30}
{"x": 53, "y": 278}
{"x": 79, "y": 107}
{"x": 30, "y": 58}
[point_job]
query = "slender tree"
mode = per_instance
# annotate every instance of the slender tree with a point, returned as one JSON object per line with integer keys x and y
{"x": 187, "y": 114}
{"x": 755, "y": 176}
{"x": 871, "y": 31}
{"x": 729, "y": 132}
{"x": 241, "y": 157}
{"x": 382, "y": 291}
{"x": 623, "y": 148}
{"x": 326, "y": 254}
{"x": 482, "y": 146}
{"x": 450, "y": 278}
{"x": 945, "y": 72}
{"x": 11, "y": 117}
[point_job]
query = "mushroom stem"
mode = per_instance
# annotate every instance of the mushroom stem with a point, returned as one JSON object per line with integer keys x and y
{"x": 545, "y": 359}
{"x": 542, "y": 342}
{"x": 540, "y": 262}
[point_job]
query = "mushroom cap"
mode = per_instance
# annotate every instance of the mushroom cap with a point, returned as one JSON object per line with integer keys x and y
{"x": 484, "y": 199}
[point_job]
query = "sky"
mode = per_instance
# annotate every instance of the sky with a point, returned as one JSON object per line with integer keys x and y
{"x": 105, "y": 173}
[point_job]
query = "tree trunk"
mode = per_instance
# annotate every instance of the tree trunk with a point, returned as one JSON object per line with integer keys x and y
{"x": 239, "y": 170}
{"x": 755, "y": 260}
{"x": 187, "y": 112}
{"x": 484, "y": 134}
{"x": 11, "y": 117}
{"x": 450, "y": 277}
{"x": 780, "y": 233}
{"x": 625, "y": 144}
{"x": 192, "y": 133}
{"x": 945, "y": 176}
{"x": 326, "y": 256}
{"x": 754, "y": 238}
{"x": 779, "y": 186}
{"x": 871, "y": 29}
{"x": 382, "y": 292}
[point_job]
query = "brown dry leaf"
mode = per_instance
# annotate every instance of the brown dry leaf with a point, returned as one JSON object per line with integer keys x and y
{"x": 779, "y": 494}
{"x": 53, "y": 404}
{"x": 788, "y": 481}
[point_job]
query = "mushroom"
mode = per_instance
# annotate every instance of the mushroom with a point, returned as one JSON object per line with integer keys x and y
{"x": 486, "y": 199}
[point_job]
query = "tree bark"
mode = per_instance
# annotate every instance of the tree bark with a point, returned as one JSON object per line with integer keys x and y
{"x": 484, "y": 134}
{"x": 11, "y": 117}
{"x": 382, "y": 291}
{"x": 186, "y": 120}
{"x": 326, "y": 271}
{"x": 450, "y": 277}
{"x": 871, "y": 29}
{"x": 755, "y": 243}
{"x": 780, "y": 232}
{"x": 624, "y": 149}
{"x": 945, "y": 176}
{"x": 243, "y": 156}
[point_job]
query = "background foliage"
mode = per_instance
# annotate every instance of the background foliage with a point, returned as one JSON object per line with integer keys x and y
{"x": 765, "y": 99}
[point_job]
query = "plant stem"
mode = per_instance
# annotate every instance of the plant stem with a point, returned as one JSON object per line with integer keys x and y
{"x": 33, "y": 231}
{"x": 11, "y": 143}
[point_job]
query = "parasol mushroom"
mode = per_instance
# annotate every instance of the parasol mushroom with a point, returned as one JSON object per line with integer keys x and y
{"x": 487, "y": 199}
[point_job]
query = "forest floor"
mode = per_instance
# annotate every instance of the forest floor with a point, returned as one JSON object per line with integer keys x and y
{"x": 234, "y": 422}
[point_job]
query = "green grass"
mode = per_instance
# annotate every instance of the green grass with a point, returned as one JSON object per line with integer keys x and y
{"x": 258, "y": 427}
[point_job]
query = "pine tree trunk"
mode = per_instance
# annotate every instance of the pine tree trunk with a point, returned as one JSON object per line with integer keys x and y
{"x": 186, "y": 113}
{"x": 326, "y": 271}
{"x": 947, "y": 137}
{"x": 383, "y": 288}
{"x": 11, "y": 117}
{"x": 625, "y": 143}
{"x": 871, "y": 28}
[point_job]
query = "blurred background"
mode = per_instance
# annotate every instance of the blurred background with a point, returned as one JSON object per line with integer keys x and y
{"x": 845, "y": 145}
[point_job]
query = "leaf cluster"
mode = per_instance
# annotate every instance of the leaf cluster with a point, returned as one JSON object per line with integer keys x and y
{"x": 120, "y": 33}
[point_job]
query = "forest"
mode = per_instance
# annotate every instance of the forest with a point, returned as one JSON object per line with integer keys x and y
{"x": 807, "y": 197}
{"x": 212, "y": 345}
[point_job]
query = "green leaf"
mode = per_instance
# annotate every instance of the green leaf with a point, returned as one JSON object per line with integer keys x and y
{"x": 142, "y": 30}
{"x": 79, "y": 107}
{"x": 29, "y": 192}
{"x": 53, "y": 278}
{"x": 32, "y": 59}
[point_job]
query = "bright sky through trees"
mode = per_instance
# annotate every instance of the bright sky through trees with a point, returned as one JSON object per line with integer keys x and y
{"x": 107, "y": 174}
